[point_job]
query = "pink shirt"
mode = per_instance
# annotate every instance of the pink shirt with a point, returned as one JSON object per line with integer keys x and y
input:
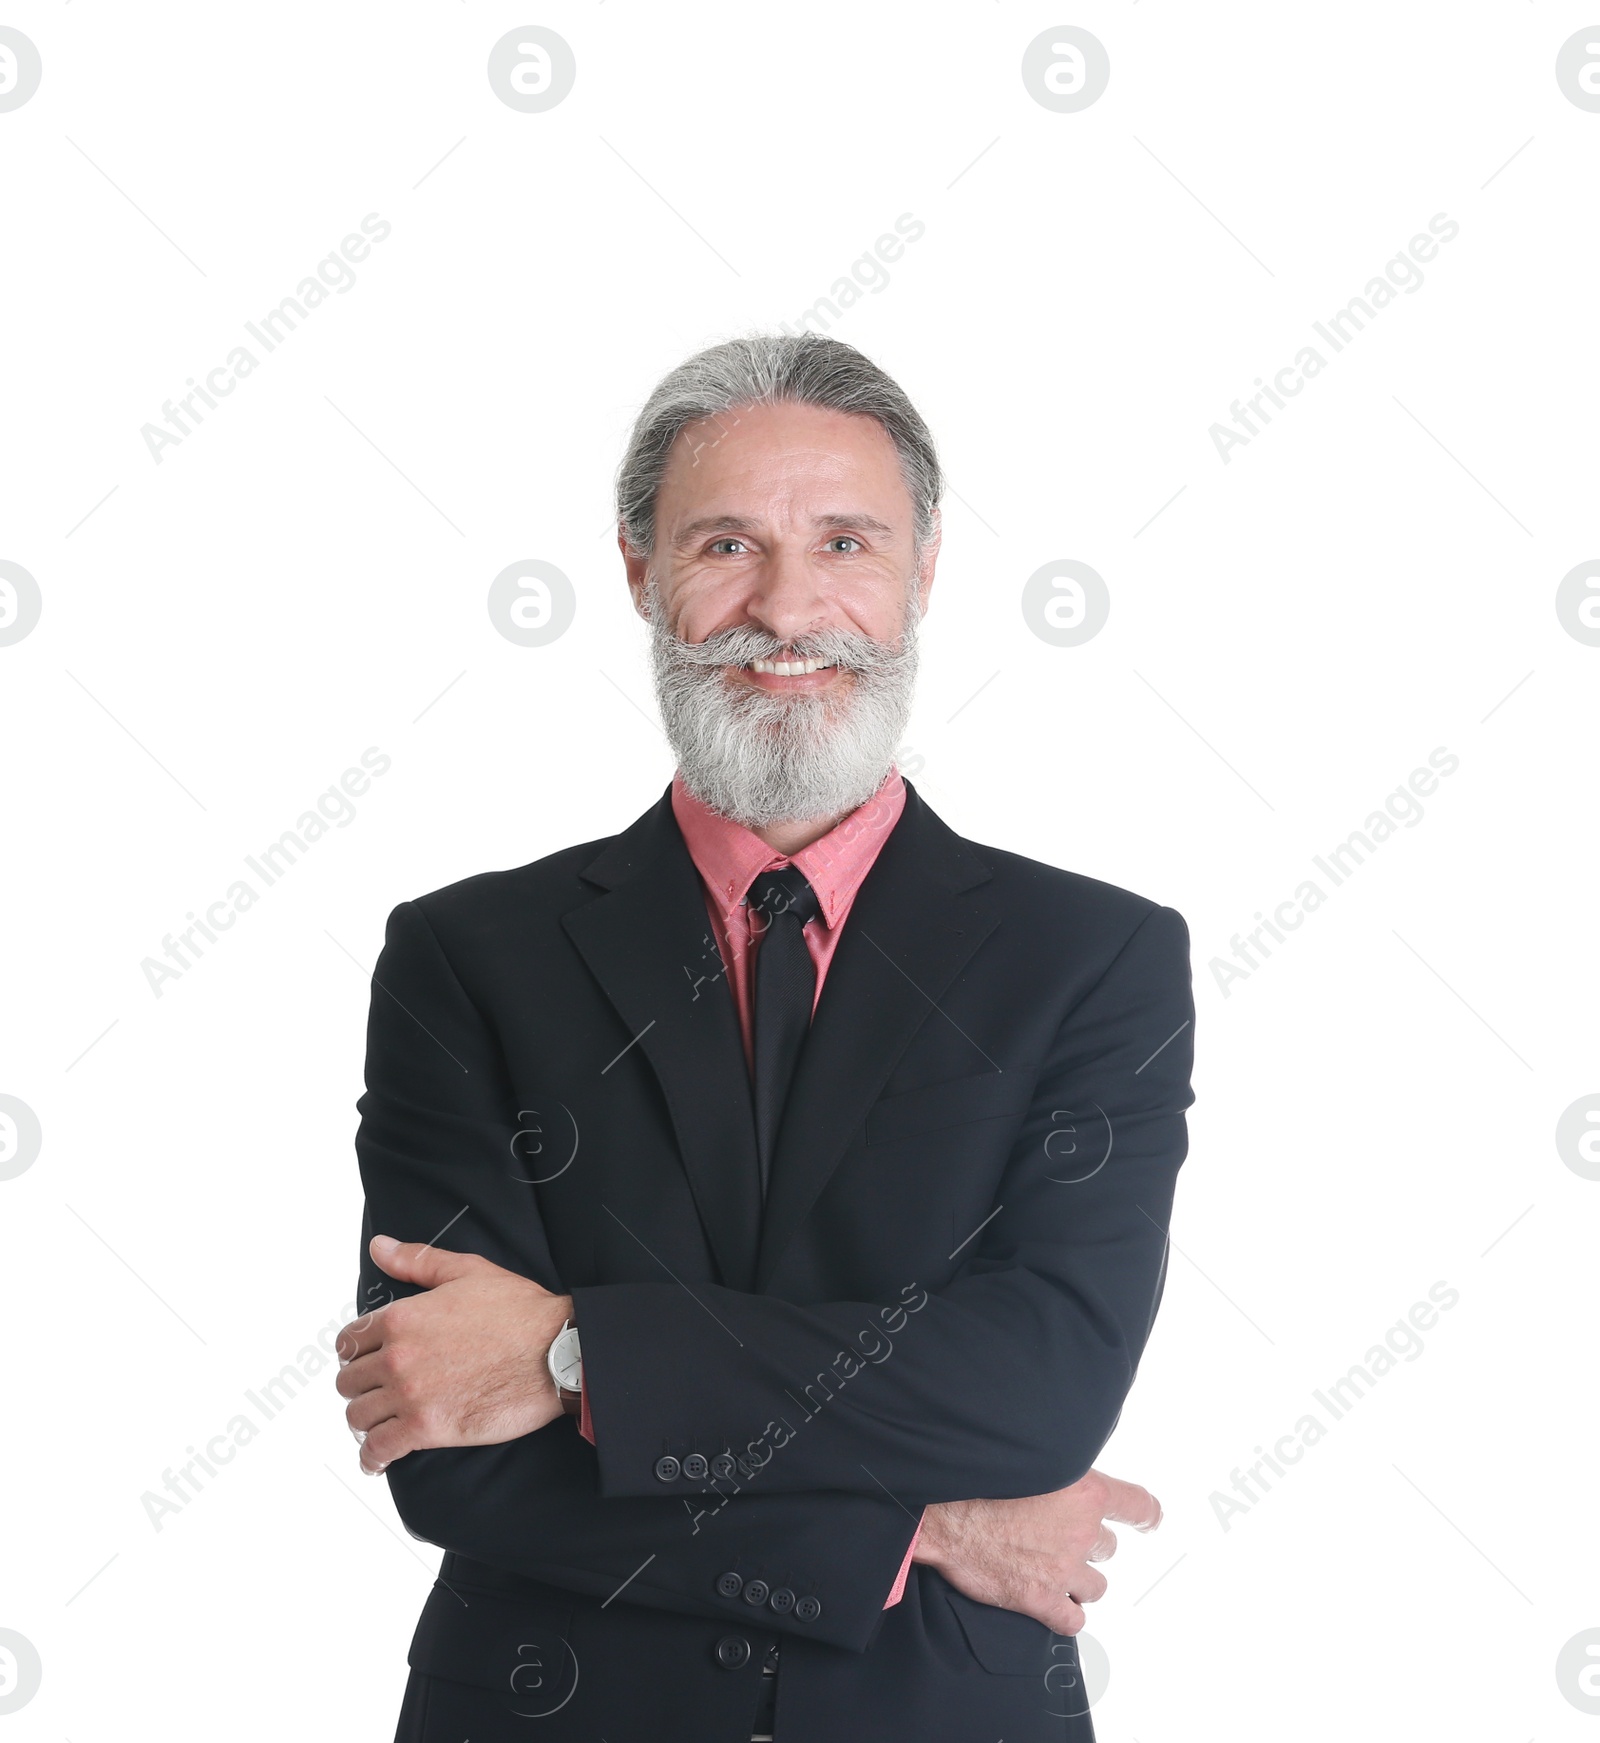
{"x": 728, "y": 857}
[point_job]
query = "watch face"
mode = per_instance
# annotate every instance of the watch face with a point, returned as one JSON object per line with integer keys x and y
{"x": 565, "y": 1362}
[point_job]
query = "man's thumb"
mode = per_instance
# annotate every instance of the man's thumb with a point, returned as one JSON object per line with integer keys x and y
{"x": 415, "y": 1261}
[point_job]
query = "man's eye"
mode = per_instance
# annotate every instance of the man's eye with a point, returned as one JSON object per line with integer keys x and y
{"x": 844, "y": 539}
{"x": 717, "y": 544}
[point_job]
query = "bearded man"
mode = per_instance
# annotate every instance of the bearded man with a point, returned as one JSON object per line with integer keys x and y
{"x": 767, "y": 1206}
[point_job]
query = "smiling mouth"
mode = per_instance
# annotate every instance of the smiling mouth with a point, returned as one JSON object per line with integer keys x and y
{"x": 789, "y": 668}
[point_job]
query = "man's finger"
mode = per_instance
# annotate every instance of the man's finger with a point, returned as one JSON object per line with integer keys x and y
{"x": 1105, "y": 1545}
{"x": 420, "y": 1262}
{"x": 359, "y": 1338}
{"x": 1062, "y": 1617}
{"x": 387, "y": 1442}
{"x": 365, "y": 1413}
{"x": 1129, "y": 1504}
{"x": 362, "y": 1375}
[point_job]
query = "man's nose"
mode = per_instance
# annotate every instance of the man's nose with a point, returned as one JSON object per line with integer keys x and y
{"x": 786, "y": 595}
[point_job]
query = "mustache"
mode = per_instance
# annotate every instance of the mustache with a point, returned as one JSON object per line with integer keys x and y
{"x": 850, "y": 649}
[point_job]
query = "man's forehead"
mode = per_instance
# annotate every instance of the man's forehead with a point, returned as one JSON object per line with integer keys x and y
{"x": 799, "y": 465}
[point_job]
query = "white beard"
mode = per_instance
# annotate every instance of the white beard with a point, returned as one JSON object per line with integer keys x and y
{"x": 761, "y": 757}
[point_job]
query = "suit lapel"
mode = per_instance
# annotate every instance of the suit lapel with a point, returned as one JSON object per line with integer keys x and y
{"x": 917, "y": 919}
{"x": 646, "y": 942}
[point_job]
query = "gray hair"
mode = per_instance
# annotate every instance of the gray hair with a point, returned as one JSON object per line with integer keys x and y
{"x": 767, "y": 368}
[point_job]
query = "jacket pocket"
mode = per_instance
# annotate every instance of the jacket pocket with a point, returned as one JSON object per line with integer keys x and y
{"x": 1003, "y": 1641}
{"x": 521, "y": 1651}
{"x": 957, "y": 1101}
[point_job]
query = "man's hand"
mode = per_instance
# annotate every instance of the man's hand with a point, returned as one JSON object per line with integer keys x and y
{"x": 1033, "y": 1554}
{"x": 462, "y": 1365}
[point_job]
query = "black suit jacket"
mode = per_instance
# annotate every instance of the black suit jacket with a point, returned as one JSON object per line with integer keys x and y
{"x": 961, "y": 1255}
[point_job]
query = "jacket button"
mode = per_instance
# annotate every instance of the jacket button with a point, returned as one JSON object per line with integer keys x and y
{"x": 667, "y": 1467}
{"x": 782, "y": 1600}
{"x": 730, "y": 1585}
{"x": 807, "y": 1609}
{"x": 733, "y": 1653}
{"x": 722, "y": 1466}
{"x": 756, "y": 1592}
{"x": 695, "y": 1467}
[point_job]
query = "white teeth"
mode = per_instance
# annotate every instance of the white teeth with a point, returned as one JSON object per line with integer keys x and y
{"x": 790, "y": 668}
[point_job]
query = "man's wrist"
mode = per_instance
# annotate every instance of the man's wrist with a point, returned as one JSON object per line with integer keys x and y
{"x": 941, "y": 1520}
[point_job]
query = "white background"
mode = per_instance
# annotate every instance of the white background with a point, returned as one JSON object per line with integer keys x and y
{"x": 1291, "y": 633}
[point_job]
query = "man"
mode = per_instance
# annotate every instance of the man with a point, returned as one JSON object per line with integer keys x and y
{"x": 815, "y": 1161}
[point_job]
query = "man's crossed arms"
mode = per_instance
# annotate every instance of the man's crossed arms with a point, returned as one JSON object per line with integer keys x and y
{"x": 463, "y": 1364}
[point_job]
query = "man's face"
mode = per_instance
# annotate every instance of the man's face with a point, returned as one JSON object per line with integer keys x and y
{"x": 787, "y": 519}
{"x": 783, "y": 597}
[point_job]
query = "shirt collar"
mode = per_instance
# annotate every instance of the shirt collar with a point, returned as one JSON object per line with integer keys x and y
{"x": 729, "y": 857}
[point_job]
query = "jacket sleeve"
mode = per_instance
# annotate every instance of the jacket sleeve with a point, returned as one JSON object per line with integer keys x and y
{"x": 1003, "y": 1379}
{"x": 434, "y": 1150}
{"x": 896, "y": 1592}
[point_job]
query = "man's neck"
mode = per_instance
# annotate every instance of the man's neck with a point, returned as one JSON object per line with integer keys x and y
{"x": 789, "y": 838}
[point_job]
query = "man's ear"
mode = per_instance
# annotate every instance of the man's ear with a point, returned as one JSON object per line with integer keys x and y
{"x": 930, "y": 557}
{"x": 638, "y": 572}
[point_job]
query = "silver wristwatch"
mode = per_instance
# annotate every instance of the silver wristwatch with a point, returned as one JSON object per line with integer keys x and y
{"x": 565, "y": 1362}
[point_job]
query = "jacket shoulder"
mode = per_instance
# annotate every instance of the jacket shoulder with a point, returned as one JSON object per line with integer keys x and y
{"x": 1068, "y": 917}
{"x": 1034, "y": 889}
{"x": 1037, "y": 885}
{"x": 493, "y": 899}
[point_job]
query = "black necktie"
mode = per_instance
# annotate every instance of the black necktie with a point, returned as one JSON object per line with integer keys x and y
{"x": 781, "y": 902}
